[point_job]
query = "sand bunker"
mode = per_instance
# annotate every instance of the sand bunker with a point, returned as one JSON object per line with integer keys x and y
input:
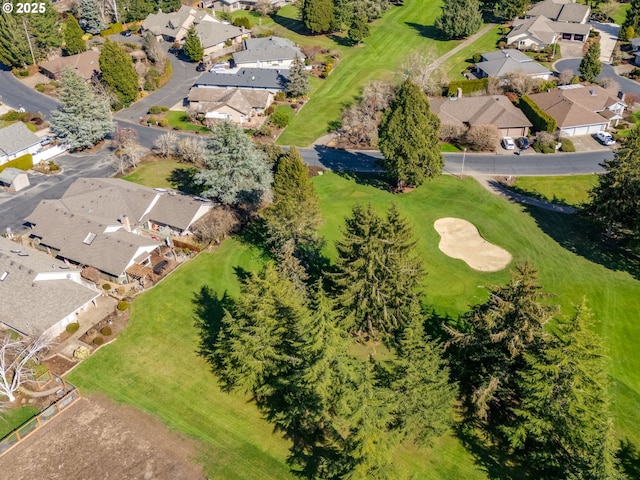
{"x": 461, "y": 239}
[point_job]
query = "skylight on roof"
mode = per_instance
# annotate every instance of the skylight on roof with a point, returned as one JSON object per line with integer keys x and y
{"x": 88, "y": 240}
{"x": 3, "y": 276}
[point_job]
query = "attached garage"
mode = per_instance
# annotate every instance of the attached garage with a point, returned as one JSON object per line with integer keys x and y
{"x": 514, "y": 132}
{"x": 583, "y": 130}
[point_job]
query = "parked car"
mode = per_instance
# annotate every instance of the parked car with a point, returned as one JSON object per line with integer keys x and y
{"x": 125, "y": 33}
{"x": 45, "y": 141}
{"x": 605, "y": 138}
{"x": 201, "y": 67}
{"x": 522, "y": 143}
{"x": 508, "y": 144}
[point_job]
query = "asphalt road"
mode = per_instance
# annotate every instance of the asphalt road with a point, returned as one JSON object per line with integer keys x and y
{"x": 626, "y": 85}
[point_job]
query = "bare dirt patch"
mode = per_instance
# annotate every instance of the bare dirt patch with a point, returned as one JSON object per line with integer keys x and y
{"x": 99, "y": 439}
{"x": 460, "y": 239}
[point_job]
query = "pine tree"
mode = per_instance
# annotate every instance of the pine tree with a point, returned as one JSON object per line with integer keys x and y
{"x": 140, "y": 9}
{"x": 509, "y": 9}
{"x": 460, "y": 19}
{"x": 91, "y": 16}
{"x": 615, "y": 201}
{"x": 591, "y": 66}
{"x": 118, "y": 73}
{"x": 14, "y": 49}
{"x": 359, "y": 26}
{"x": 298, "y": 84}
{"x": 342, "y": 14}
{"x": 562, "y": 428}
{"x": 423, "y": 396}
{"x": 82, "y": 119}
{"x": 295, "y": 213}
{"x": 73, "y": 41}
{"x": 632, "y": 18}
{"x": 489, "y": 350}
{"x": 376, "y": 274}
{"x": 317, "y": 15}
{"x": 408, "y": 138}
{"x": 45, "y": 30}
{"x": 236, "y": 172}
{"x": 193, "y": 48}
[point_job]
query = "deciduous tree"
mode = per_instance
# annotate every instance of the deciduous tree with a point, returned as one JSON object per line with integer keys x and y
{"x": 236, "y": 172}
{"x": 73, "y": 41}
{"x": 591, "y": 66}
{"x": 408, "y": 138}
{"x": 118, "y": 73}
{"x": 17, "y": 357}
{"x": 82, "y": 119}
{"x": 165, "y": 145}
{"x": 459, "y": 18}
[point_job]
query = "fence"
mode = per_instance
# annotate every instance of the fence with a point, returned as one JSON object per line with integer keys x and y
{"x": 49, "y": 153}
{"x": 34, "y": 423}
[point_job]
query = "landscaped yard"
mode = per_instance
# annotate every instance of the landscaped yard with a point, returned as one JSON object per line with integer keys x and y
{"x": 154, "y": 365}
{"x": 155, "y": 174}
{"x": 179, "y": 119}
{"x": 13, "y": 418}
{"x": 568, "y": 190}
{"x": 457, "y": 63}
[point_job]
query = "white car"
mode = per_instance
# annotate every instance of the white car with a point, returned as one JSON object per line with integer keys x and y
{"x": 508, "y": 143}
{"x": 605, "y": 138}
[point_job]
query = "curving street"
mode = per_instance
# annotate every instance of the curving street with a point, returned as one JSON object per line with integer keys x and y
{"x": 626, "y": 85}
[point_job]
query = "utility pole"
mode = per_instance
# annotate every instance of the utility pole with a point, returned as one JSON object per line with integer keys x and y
{"x": 26, "y": 32}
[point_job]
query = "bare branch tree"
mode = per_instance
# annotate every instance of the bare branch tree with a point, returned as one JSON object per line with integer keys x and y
{"x": 483, "y": 137}
{"x": 16, "y": 360}
{"x": 423, "y": 70}
{"x": 565, "y": 77}
{"x": 191, "y": 150}
{"x": 216, "y": 225}
{"x": 166, "y": 144}
{"x": 127, "y": 150}
{"x": 610, "y": 84}
{"x": 521, "y": 83}
{"x": 264, "y": 7}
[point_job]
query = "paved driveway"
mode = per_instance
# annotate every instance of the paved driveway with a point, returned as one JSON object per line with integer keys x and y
{"x": 608, "y": 38}
{"x": 626, "y": 85}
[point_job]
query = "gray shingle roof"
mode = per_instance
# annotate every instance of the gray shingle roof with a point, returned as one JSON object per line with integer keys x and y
{"x": 560, "y": 10}
{"x": 15, "y": 138}
{"x": 635, "y": 43}
{"x": 31, "y": 301}
{"x": 215, "y": 33}
{"x": 242, "y": 100}
{"x": 503, "y": 62}
{"x": 261, "y": 78}
{"x": 8, "y": 175}
{"x": 267, "y": 49}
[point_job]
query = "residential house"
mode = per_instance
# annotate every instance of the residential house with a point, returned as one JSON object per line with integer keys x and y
{"x": 270, "y": 79}
{"x": 111, "y": 224}
{"x": 549, "y": 21}
{"x": 501, "y": 63}
{"x": 14, "y": 179}
{"x": 635, "y": 49}
{"x": 494, "y": 110}
{"x": 268, "y": 52}
{"x": 85, "y": 64}
{"x": 581, "y": 109}
{"x": 237, "y": 105}
{"x": 17, "y": 140}
{"x": 214, "y": 35}
{"x": 40, "y": 295}
{"x": 233, "y": 5}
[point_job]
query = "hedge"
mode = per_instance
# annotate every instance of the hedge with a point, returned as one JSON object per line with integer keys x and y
{"x": 25, "y": 162}
{"x": 112, "y": 30}
{"x": 468, "y": 86}
{"x": 541, "y": 121}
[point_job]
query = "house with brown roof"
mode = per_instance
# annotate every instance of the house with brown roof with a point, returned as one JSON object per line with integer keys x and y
{"x": 581, "y": 109}
{"x": 111, "y": 224}
{"x": 547, "y": 22}
{"x": 483, "y": 110}
{"x": 237, "y": 105}
{"x": 85, "y": 64}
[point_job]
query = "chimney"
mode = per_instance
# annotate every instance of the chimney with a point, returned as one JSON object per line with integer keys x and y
{"x": 126, "y": 223}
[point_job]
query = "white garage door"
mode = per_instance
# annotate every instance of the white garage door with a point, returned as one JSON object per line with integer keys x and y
{"x": 577, "y": 131}
{"x": 596, "y": 128}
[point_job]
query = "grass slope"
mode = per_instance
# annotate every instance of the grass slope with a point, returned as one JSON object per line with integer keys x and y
{"x": 154, "y": 366}
{"x": 572, "y": 190}
{"x": 155, "y": 174}
{"x": 457, "y": 63}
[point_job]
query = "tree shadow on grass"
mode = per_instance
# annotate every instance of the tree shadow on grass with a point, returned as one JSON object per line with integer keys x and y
{"x": 427, "y": 31}
{"x": 183, "y": 179}
{"x": 582, "y": 237}
{"x": 629, "y": 459}
{"x": 209, "y": 310}
{"x": 342, "y": 41}
{"x": 372, "y": 179}
{"x": 292, "y": 24}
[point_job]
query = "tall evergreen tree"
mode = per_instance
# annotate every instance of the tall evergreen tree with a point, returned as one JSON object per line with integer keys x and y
{"x": 317, "y": 15}
{"x": 73, "y": 41}
{"x": 632, "y": 18}
{"x": 459, "y": 19}
{"x": 489, "y": 350}
{"x": 359, "y": 26}
{"x": 45, "y": 30}
{"x": 14, "y": 48}
{"x": 295, "y": 213}
{"x": 510, "y": 9}
{"x": 342, "y": 14}
{"x": 82, "y": 119}
{"x": 118, "y": 73}
{"x": 298, "y": 84}
{"x": 139, "y": 10}
{"x": 193, "y": 48}
{"x": 408, "y": 138}
{"x": 591, "y": 66}
{"x": 562, "y": 427}
{"x": 377, "y": 274}
{"x": 236, "y": 172}
{"x": 615, "y": 201}
{"x": 91, "y": 16}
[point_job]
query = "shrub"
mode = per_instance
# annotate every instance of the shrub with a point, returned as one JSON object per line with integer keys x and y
{"x": 113, "y": 29}
{"x": 106, "y": 331}
{"x": 163, "y": 122}
{"x": 41, "y": 87}
{"x": 544, "y": 143}
{"x": 152, "y": 121}
{"x": 280, "y": 96}
{"x": 540, "y": 119}
{"x": 72, "y": 327}
{"x": 566, "y": 145}
{"x": 155, "y": 109}
{"x": 451, "y": 133}
{"x": 81, "y": 353}
{"x": 242, "y": 22}
{"x": 53, "y": 167}
{"x": 280, "y": 119}
{"x": 476, "y": 57}
{"x": 482, "y": 137}
{"x": 106, "y": 286}
{"x": 98, "y": 341}
{"x": 122, "y": 305}
{"x": 468, "y": 86}
{"x": 13, "y": 116}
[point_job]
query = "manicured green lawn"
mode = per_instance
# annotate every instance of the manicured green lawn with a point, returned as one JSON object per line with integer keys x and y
{"x": 448, "y": 147}
{"x": 155, "y": 174}
{"x": 621, "y": 14}
{"x": 568, "y": 190}
{"x": 456, "y": 64}
{"x": 180, "y": 119}
{"x": 154, "y": 365}
{"x": 13, "y": 418}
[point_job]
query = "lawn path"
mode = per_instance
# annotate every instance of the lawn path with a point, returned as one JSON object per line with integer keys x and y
{"x": 464, "y": 44}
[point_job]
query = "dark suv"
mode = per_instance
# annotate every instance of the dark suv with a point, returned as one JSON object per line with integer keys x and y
{"x": 522, "y": 143}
